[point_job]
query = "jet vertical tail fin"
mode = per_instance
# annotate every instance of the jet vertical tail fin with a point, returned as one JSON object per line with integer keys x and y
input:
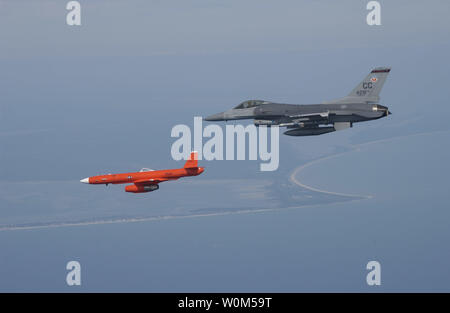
{"x": 192, "y": 162}
{"x": 368, "y": 90}
{"x": 370, "y": 87}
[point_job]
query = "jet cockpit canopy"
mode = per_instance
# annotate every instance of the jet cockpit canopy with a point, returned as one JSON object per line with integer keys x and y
{"x": 146, "y": 170}
{"x": 250, "y": 104}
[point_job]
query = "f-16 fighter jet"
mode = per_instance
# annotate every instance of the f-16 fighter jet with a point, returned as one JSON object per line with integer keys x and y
{"x": 362, "y": 104}
{"x": 147, "y": 180}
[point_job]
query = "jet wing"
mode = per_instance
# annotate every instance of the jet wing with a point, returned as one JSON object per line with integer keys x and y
{"x": 309, "y": 117}
{"x": 294, "y": 119}
{"x": 151, "y": 181}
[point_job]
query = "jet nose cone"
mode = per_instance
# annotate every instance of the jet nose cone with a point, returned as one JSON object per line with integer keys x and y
{"x": 85, "y": 180}
{"x": 215, "y": 117}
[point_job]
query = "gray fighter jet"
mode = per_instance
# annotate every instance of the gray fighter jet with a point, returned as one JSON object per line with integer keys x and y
{"x": 362, "y": 104}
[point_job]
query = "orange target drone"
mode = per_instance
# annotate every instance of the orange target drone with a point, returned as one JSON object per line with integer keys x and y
{"x": 147, "y": 180}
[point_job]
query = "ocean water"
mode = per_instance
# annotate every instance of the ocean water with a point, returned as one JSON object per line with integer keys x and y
{"x": 312, "y": 248}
